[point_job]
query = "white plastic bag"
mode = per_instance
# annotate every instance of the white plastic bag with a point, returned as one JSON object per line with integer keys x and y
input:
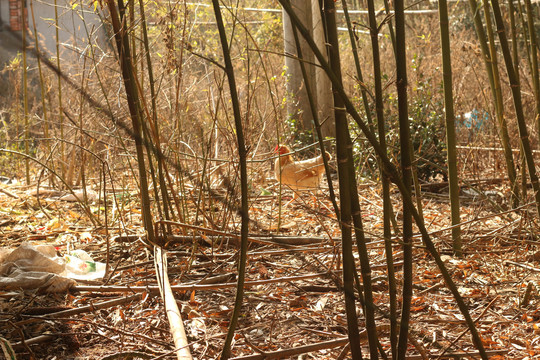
{"x": 81, "y": 266}
{"x": 33, "y": 267}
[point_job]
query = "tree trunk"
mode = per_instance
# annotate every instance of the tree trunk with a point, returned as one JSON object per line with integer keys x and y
{"x": 298, "y": 107}
{"x": 324, "y": 98}
{"x": 298, "y": 104}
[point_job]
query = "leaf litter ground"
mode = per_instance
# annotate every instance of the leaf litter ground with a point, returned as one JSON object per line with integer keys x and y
{"x": 293, "y": 298}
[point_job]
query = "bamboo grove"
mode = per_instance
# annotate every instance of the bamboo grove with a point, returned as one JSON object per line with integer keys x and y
{"x": 506, "y": 38}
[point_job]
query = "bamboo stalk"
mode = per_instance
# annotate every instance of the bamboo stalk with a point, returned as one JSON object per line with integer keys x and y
{"x": 393, "y": 174}
{"x": 354, "y": 50}
{"x": 513, "y": 33}
{"x": 346, "y": 174}
{"x": 533, "y": 45}
{"x": 385, "y": 182}
{"x": 122, "y": 44}
{"x": 500, "y": 117}
{"x": 516, "y": 96}
{"x": 59, "y": 84}
{"x": 490, "y": 62}
{"x": 450, "y": 127}
{"x": 406, "y": 164}
{"x": 171, "y": 308}
{"x": 161, "y": 164}
{"x": 242, "y": 154}
{"x": 41, "y": 80}
{"x": 25, "y": 92}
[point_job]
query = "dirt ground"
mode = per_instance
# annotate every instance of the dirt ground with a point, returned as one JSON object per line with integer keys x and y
{"x": 293, "y": 296}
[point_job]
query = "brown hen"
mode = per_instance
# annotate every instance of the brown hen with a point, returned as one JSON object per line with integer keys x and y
{"x": 298, "y": 175}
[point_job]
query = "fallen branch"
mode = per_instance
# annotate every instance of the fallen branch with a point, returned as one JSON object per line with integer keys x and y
{"x": 479, "y": 148}
{"x": 263, "y": 240}
{"x": 117, "y": 330}
{"x": 203, "y": 287}
{"x": 344, "y": 341}
{"x": 528, "y": 267}
{"x": 4, "y": 191}
{"x": 171, "y": 308}
{"x": 193, "y": 287}
{"x": 82, "y": 309}
{"x": 299, "y": 350}
{"x": 33, "y": 341}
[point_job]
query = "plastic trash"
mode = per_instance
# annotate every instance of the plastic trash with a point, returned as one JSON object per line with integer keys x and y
{"x": 33, "y": 267}
{"x": 38, "y": 267}
{"x": 475, "y": 119}
{"x": 81, "y": 266}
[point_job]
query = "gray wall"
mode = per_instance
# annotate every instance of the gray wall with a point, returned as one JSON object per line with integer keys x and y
{"x": 74, "y": 25}
{"x": 4, "y": 12}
